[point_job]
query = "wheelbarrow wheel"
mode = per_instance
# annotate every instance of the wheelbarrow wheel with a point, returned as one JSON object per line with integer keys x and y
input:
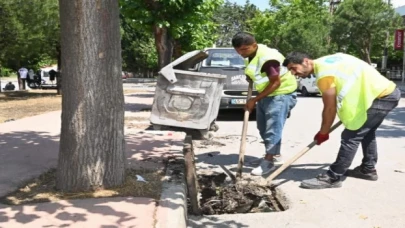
{"x": 214, "y": 127}
{"x": 207, "y": 135}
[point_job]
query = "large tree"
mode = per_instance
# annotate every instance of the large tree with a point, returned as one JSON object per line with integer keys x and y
{"x": 294, "y": 25}
{"x": 138, "y": 48}
{"x": 91, "y": 153}
{"x": 30, "y": 32}
{"x": 171, "y": 20}
{"x": 360, "y": 26}
{"x": 232, "y": 18}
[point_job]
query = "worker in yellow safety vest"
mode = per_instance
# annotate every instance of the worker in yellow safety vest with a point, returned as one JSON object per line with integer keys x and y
{"x": 361, "y": 97}
{"x": 276, "y": 96}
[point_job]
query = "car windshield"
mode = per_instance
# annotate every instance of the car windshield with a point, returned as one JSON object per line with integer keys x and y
{"x": 223, "y": 57}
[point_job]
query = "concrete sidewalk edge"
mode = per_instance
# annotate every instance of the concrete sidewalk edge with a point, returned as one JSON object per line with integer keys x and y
{"x": 172, "y": 206}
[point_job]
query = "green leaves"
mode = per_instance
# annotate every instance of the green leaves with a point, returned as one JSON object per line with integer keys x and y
{"x": 360, "y": 26}
{"x": 232, "y": 18}
{"x": 29, "y": 32}
{"x": 294, "y": 25}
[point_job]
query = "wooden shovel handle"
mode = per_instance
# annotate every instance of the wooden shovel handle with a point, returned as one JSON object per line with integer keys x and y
{"x": 243, "y": 137}
{"x": 297, "y": 156}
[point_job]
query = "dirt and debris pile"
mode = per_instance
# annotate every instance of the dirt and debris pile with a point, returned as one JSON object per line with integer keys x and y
{"x": 218, "y": 197}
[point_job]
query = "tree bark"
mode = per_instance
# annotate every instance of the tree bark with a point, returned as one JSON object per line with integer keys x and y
{"x": 164, "y": 45}
{"x": 91, "y": 152}
{"x": 177, "y": 50}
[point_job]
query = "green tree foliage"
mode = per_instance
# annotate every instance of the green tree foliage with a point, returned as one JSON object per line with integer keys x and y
{"x": 29, "y": 32}
{"x": 176, "y": 24}
{"x": 232, "y": 18}
{"x": 294, "y": 25}
{"x": 360, "y": 26}
{"x": 138, "y": 48}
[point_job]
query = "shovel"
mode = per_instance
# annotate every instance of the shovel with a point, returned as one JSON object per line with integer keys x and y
{"x": 243, "y": 137}
{"x": 296, "y": 157}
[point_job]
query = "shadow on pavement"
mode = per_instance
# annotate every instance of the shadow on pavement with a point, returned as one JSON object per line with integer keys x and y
{"x": 136, "y": 107}
{"x": 66, "y": 214}
{"x": 234, "y": 115}
{"x": 215, "y": 158}
{"x": 141, "y": 95}
{"x": 397, "y": 128}
{"x": 201, "y": 222}
{"x": 26, "y": 155}
{"x": 300, "y": 172}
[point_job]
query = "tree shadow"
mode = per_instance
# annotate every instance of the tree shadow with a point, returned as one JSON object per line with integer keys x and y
{"x": 137, "y": 107}
{"x": 151, "y": 149}
{"x": 26, "y": 155}
{"x": 24, "y": 95}
{"x": 141, "y": 95}
{"x": 108, "y": 211}
{"x": 212, "y": 222}
{"x": 397, "y": 128}
{"x": 138, "y": 102}
{"x": 215, "y": 158}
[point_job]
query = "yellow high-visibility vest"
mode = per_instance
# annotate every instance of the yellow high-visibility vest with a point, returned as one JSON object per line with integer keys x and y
{"x": 261, "y": 81}
{"x": 358, "y": 84}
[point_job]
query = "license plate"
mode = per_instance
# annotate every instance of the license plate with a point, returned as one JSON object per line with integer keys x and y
{"x": 238, "y": 101}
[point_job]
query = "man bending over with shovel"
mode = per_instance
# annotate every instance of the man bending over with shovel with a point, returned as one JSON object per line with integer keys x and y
{"x": 361, "y": 97}
{"x": 276, "y": 87}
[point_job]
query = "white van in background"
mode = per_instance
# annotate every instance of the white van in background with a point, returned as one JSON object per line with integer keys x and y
{"x": 307, "y": 86}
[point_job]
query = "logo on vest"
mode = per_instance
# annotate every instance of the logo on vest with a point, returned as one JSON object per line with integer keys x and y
{"x": 333, "y": 59}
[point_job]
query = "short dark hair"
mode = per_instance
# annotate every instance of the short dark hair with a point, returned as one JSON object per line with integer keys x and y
{"x": 296, "y": 57}
{"x": 243, "y": 38}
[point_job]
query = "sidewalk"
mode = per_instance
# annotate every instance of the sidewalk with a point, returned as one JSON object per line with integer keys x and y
{"x": 30, "y": 146}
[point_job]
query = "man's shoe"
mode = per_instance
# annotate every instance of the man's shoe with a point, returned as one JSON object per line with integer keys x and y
{"x": 277, "y": 160}
{"x": 264, "y": 168}
{"x": 362, "y": 173}
{"x": 322, "y": 181}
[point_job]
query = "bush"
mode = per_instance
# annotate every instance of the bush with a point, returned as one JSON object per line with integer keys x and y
{"x": 5, "y": 72}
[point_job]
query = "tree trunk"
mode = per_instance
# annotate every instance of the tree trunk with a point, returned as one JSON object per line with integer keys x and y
{"x": 59, "y": 75}
{"x": 0, "y": 77}
{"x": 366, "y": 53}
{"x": 177, "y": 50}
{"x": 91, "y": 152}
{"x": 20, "y": 82}
{"x": 164, "y": 45}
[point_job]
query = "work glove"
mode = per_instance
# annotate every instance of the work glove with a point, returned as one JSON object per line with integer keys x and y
{"x": 320, "y": 138}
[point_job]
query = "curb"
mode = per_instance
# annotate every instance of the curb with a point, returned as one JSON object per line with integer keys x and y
{"x": 172, "y": 206}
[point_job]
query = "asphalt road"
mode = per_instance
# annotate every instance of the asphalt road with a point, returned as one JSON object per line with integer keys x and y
{"x": 358, "y": 203}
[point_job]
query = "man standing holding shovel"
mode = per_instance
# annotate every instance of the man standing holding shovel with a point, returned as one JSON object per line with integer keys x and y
{"x": 361, "y": 97}
{"x": 276, "y": 87}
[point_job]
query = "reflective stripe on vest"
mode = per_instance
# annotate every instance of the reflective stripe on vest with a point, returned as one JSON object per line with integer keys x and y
{"x": 350, "y": 81}
{"x": 261, "y": 80}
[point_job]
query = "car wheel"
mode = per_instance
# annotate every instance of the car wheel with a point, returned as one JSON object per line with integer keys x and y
{"x": 304, "y": 92}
